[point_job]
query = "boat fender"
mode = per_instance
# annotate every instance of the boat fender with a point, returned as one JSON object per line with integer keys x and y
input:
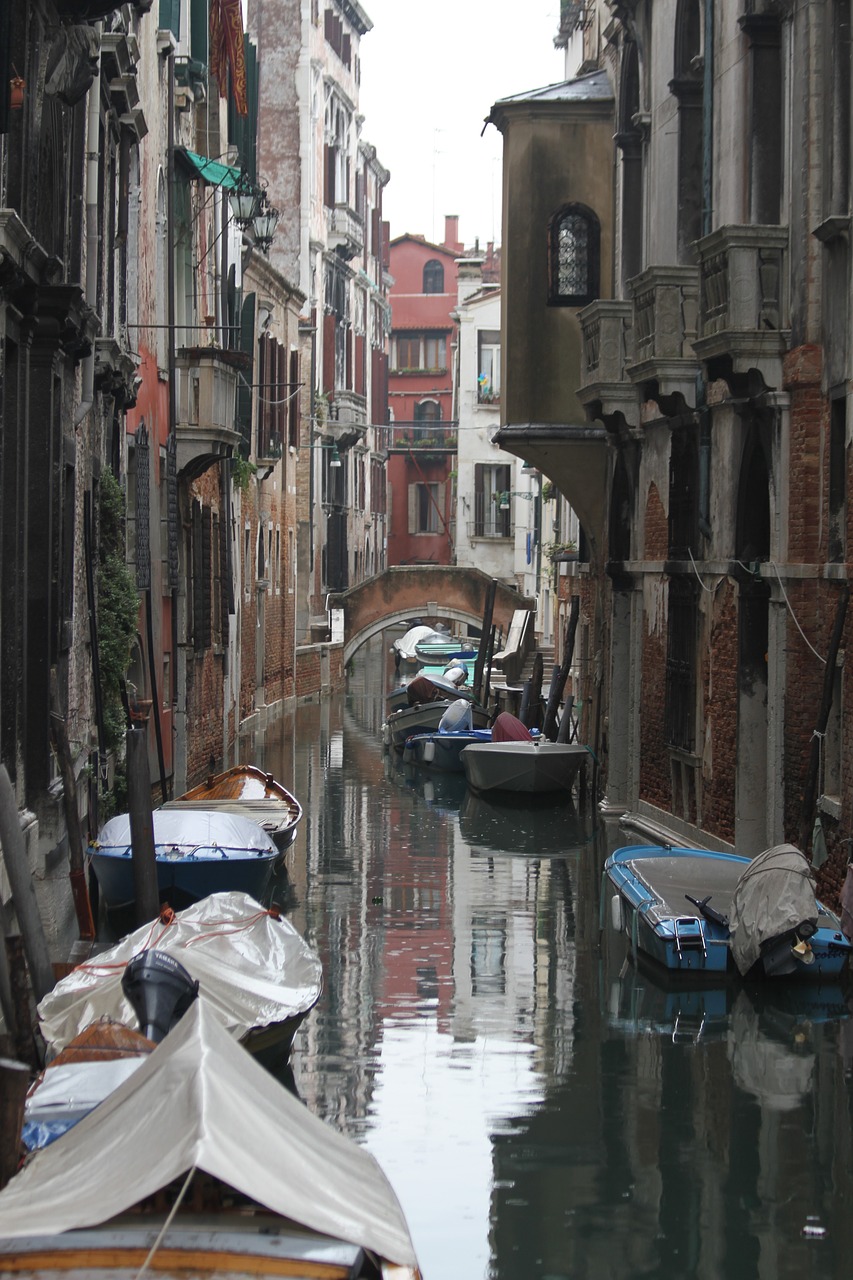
{"x": 616, "y": 912}
{"x": 429, "y": 752}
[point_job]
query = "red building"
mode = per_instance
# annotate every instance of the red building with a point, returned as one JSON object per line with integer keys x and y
{"x": 422, "y": 453}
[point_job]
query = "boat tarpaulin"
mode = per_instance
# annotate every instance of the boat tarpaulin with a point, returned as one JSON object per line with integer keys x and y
{"x": 775, "y": 893}
{"x": 201, "y": 1101}
{"x": 252, "y": 969}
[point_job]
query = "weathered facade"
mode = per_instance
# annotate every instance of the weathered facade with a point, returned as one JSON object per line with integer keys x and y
{"x": 706, "y": 380}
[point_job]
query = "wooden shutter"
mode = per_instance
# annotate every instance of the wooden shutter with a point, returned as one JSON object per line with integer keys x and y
{"x": 294, "y": 404}
{"x": 413, "y": 508}
{"x": 328, "y": 352}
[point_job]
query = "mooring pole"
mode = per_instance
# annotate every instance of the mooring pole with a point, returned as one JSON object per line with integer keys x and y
{"x": 146, "y": 895}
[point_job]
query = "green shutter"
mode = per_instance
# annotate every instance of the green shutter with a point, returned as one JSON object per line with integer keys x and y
{"x": 199, "y": 26}
{"x": 244, "y": 388}
{"x": 170, "y": 17}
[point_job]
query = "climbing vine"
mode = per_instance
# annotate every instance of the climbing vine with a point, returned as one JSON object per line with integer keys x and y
{"x": 118, "y": 606}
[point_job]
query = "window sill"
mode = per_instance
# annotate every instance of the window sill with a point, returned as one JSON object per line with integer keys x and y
{"x": 831, "y": 806}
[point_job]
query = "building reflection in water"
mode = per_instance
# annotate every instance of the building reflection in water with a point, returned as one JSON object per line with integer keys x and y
{"x": 542, "y": 1109}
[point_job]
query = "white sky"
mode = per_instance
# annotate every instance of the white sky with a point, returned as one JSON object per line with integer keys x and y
{"x": 430, "y": 73}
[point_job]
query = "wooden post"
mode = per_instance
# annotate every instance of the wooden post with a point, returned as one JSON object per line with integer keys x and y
{"x": 14, "y": 1082}
{"x": 530, "y": 703}
{"x": 549, "y": 727}
{"x": 77, "y": 862}
{"x": 485, "y": 636}
{"x": 25, "y": 1047}
{"x": 23, "y": 891}
{"x": 146, "y": 895}
{"x": 807, "y": 811}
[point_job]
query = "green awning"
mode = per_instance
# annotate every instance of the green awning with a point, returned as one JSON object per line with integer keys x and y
{"x": 211, "y": 171}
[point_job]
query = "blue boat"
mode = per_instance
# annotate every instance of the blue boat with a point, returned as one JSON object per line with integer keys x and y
{"x": 703, "y": 912}
{"x": 442, "y": 749}
{"x": 197, "y": 851}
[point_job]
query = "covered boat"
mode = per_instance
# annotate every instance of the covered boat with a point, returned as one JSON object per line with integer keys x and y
{"x": 249, "y": 792}
{"x": 202, "y": 1163}
{"x": 404, "y": 649}
{"x": 515, "y": 760}
{"x": 702, "y": 911}
{"x": 255, "y": 971}
{"x": 197, "y": 852}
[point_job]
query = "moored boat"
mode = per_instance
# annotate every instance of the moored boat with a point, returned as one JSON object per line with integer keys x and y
{"x": 425, "y": 717}
{"x": 701, "y": 911}
{"x": 254, "y": 969}
{"x": 201, "y": 1162}
{"x": 249, "y": 792}
{"x": 197, "y": 852}
{"x": 515, "y": 760}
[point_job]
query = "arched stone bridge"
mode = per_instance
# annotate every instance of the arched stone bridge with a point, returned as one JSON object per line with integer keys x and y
{"x": 421, "y": 591}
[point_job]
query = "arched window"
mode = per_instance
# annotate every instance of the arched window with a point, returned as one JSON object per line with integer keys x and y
{"x": 574, "y": 257}
{"x": 433, "y": 276}
{"x": 426, "y": 412}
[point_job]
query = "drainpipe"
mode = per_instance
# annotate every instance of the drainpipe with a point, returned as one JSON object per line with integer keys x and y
{"x": 707, "y": 226}
{"x": 93, "y": 122}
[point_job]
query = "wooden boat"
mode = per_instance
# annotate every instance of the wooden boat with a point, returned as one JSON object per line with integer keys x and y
{"x": 689, "y": 911}
{"x": 202, "y": 1163}
{"x": 253, "y": 968}
{"x": 250, "y": 792}
{"x": 197, "y": 852}
{"x": 517, "y": 761}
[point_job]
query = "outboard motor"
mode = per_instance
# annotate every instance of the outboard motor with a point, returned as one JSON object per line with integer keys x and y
{"x": 160, "y": 991}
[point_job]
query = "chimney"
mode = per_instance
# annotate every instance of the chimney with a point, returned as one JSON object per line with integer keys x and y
{"x": 469, "y": 277}
{"x": 451, "y": 233}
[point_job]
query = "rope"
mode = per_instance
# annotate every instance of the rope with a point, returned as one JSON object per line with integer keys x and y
{"x": 165, "y": 1227}
{"x": 794, "y": 616}
{"x": 710, "y": 590}
{"x": 167, "y": 919}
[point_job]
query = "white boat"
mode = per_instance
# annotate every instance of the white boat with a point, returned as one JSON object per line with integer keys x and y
{"x": 255, "y": 971}
{"x": 521, "y": 763}
{"x": 404, "y": 649}
{"x": 202, "y": 1163}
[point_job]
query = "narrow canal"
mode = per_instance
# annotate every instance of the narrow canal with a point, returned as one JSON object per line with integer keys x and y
{"x": 543, "y": 1111}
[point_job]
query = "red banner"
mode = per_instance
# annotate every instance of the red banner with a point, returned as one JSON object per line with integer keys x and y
{"x": 226, "y": 50}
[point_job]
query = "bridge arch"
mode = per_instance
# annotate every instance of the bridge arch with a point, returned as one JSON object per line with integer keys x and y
{"x": 423, "y": 591}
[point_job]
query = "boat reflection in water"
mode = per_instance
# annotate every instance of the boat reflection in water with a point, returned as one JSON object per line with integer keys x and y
{"x": 547, "y": 827}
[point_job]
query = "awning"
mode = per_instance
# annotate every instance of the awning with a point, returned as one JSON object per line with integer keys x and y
{"x": 213, "y": 172}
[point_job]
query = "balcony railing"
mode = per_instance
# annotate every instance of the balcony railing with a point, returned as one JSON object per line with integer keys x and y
{"x": 744, "y": 322}
{"x": 207, "y": 391}
{"x": 607, "y": 349}
{"x": 345, "y": 230}
{"x": 423, "y": 435}
{"x": 666, "y": 308}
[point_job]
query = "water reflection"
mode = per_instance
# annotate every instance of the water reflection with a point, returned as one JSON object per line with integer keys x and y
{"x": 541, "y": 1109}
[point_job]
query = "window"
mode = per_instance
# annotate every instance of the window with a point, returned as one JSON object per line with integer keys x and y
{"x": 574, "y": 248}
{"x": 491, "y": 516}
{"x": 838, "y": 480}
{"x": 488, "y": 366}
{"x": 421, "y": 351}
{"x": 680, "y": 712}
{"x": 425, "y": 507}
{"x": 433, "y": 276}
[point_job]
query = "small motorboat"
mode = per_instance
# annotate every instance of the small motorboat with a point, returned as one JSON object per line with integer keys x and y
{"x": 404, "y": 648}
{"x": 701, "y": 911}
{"x": 451, "y": 679}
{"x": 438, "y": 648}
{"x": 197, "y": 852}
{"x": 427, "y": 703}
{"x": 442, "y": 749}
{"x": 249, "y": 792}
{"x": 516, "y": 760}
{"x": 254, "y": 969}
{"x": 202, "y": 1163}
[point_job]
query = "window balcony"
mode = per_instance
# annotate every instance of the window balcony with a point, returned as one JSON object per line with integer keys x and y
{"x": 607, "y": 392}
{"x": 744, "y": 324}
{"x": 431, "y": 436}
{"x": 349, "y": 412}
{"x": 345, "y": 230}
{"x": 206, "y": 399}
{"x": 666, "y": 309}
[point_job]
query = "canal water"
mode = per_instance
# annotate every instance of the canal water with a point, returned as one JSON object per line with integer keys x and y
{"x": 542, "y": 1110}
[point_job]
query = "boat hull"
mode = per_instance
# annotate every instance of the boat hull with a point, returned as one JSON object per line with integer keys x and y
{"x": 441, "y": 751}
{"x": 651, "y": 884}
{"x": 424, "y": 717}
{"x": 197, "y": 852}
{"x": 529, "y": 767}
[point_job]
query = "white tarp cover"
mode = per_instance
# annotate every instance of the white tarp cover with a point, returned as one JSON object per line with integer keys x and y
{"x": 201, "y": 1101}
{"x": 198, "y": 833}
{"x": 774, "y": 893}
{"x": 252, "y": 970}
